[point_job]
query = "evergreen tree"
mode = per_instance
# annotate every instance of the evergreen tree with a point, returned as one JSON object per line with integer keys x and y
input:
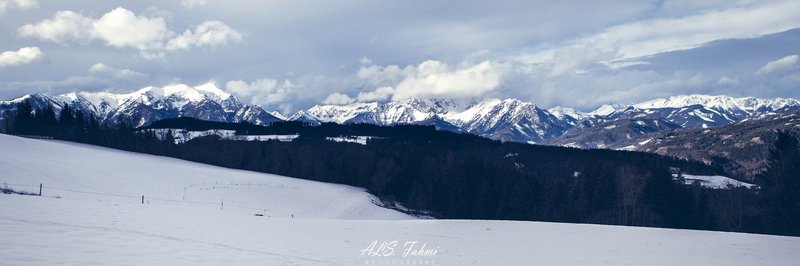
{"x": 781, "y": 186}
{"x": 66, "y": 120}
{"x": 23, "y": 119}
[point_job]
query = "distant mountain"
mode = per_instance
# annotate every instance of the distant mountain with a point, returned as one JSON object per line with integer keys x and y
{"x": 740, "y": 148}
{"x": 613, "y": 126}
{"x": 508, "y": 120}
{"x": 620, "y": 126}
{"x": 150, "y": 104}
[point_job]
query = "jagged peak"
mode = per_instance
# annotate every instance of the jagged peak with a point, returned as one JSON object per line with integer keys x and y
{"x": 211, "y": 89}
{"x": 563, "y": 112}
{"x": 608, "y": 109}
{"x": 718, "y": 102}
{"x": 279, "y": 115}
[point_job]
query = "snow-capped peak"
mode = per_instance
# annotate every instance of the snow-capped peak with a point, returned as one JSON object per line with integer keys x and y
{"x": 341, "y": 113}
{"x": 489, "y": 109}
{"x": 608, "y": 109}
{"x": 279, "y": 115}
{"x": 211, "y": 90}
{"x": 718, "y": 102}
{"x": 564, "y": 112}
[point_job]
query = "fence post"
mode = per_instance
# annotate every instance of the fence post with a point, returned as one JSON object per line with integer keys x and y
{"x": 40, "y": 189}
{"x": 142, "y": 199}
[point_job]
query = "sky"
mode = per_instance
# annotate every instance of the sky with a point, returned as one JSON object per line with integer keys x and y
{"x": 292, "y": 54}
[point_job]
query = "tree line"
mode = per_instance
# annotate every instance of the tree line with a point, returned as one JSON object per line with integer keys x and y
{"x": 462, "y": 176}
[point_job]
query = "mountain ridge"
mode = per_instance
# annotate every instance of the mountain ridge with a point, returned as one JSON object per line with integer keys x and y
{"x": 500, "y": 119}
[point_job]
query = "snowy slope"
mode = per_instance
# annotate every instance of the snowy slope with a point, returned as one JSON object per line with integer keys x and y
{"x": 720, "y": 102}
{"x": 715, "y": 181}
{"x": 110, "y": 228}
{"x": 79, "y": 171}
{"x": 49, "y": 231}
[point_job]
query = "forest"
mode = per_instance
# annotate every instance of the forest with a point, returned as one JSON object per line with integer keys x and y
{"x": 441, "y": 174}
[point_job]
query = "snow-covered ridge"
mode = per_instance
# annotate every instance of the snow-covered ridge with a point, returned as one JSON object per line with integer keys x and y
{"x": 181, "y": 94}
{"x": 149, "y": 104}
{"x": 501, "y": 119}
{"x": 341, "y": 113}
{"x": 720, "y": 102}
{"x": 566, "y": 112}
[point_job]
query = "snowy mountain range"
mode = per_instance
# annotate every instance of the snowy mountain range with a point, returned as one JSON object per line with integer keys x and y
{"x": 507, "y": 120}
{"x": 150, "y": 104}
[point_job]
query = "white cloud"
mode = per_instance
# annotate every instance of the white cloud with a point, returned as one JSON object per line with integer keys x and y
{"x": 437, "y": 79}
{"x": 338, "y": 99}
{"x": 575, "y": 57}
{"x": 193, "y": 3}
{"x": 726, "y": 81}
{"x": 379, "y": 74}
{"x": 22, "y": 56}
{"x": 379, "y": 94}
{"x": 781, "y": 64}
{"x": 116, "y": 73}
{"x": 209, "y": 33}
{"x": 122, "y": 28}
{"x": 262, "y": 91}
{"x": 64, "y": 26}
{"x": 21, "y": 4}
{"x": 656, "y": 35}
{"x": 652, "y": 36}
{"x": 431, "y": 78}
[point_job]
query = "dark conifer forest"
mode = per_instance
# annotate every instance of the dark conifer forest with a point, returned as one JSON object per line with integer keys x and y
{"x": 449, "y": 175}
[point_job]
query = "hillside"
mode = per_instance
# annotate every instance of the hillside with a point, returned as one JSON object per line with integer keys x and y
{"x": 78, "y": 171}
{"x": 90, "y": 214}
{"x": 741, "y": 149}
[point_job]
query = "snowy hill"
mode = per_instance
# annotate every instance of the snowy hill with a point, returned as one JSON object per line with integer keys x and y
{"x": 91, "y": 214}
{"x": 78, "y": 171}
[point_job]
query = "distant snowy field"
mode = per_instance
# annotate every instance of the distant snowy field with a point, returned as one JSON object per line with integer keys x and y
{"x": 195, "y": 214}
{"x": 715, "y": 181}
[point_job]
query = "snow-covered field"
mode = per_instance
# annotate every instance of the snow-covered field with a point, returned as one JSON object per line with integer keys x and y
{"x": 352, "y": 139}
{"x": 182, "y": 135}
{"x": 195, "y": 214}
{"x": 715, "y": 181}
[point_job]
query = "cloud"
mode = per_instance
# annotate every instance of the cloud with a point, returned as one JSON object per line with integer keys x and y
{"x": 338, "y": 99}
{"x": 726, "y": 81}
{"x": 193, "y": 3}
{"x": 21, "y": 4}
{"x": 430, "y": 79}
{"x": 437, "y": 79}
{"x": 64, "y": 26}
{"x": 122, "y": 28}
{"x": 209, "y": 33}
{"x": 781, "y": 64}
{"x": 262, "y": 91}
{"x": 575, "y": 57}
{"x": 22, "y": 56}
{"x": 382, "y": 74}
{"x": 379, "y": 94}
{"x": 657, "y": 35}
{"x": 116, "y": 73}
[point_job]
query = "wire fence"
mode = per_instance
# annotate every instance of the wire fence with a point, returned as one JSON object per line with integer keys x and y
{"x": 33, "y": 136}
{"x": 36, "y": 190}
